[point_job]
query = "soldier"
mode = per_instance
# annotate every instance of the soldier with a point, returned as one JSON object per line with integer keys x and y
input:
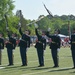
{"x": 54, "y": 46}
{"x": 40, "y": 46}
{"x": 10, "y": 45}
{"x": 1, "y": 46}
{"x": 73, "y": 47}
{"x": 24, "y": 44}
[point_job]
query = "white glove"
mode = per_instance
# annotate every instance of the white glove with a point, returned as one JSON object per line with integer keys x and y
{"x": 49, "y": 29}
{"x": 58, "y": 49}
{"x": 26, "y": 49}
{"x": 7, "y": 28}
{"x": 36, "y": 26}
{"x": 19, "y": 24}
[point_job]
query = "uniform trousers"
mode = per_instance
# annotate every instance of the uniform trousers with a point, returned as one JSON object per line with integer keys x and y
{"x": 54, "y": 53}
{"x": 0, "y": 56}
{"x": 10, "y": 56}
{"x": 40, "y": 53}
{"x": 23, "y": 55}
{"x": 73, "y": 56}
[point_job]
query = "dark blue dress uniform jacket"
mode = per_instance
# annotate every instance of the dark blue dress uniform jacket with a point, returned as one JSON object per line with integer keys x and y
{"x": 73, "y": 42}
{"x": 41, "y": 43}
{"x": 55, "y": 41}
{"x": 11, "y": 44}
{"x": 25, "y": 41}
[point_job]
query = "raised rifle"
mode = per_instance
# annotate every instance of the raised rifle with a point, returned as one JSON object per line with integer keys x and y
{"x": 35, "y": 21}
{"x": 6, "y": 21}
{"x": 7, "y": 28}
{"x": 50, "y": 14}
{"x": 19, "y": 14}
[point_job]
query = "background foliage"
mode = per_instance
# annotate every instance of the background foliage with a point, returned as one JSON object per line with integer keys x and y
{"x": 57, "y": 22}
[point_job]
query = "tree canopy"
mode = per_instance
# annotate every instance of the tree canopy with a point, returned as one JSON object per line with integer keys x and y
{"x": 56, "y": 22}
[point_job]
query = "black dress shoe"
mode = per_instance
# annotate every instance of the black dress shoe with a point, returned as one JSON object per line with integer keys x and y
{"x": 24, "y": 65}
{"x": 10, "y": 65}
{"x": 73, "y": 68}
{"x": 40, "y": 65}
{"x": 55, "y": 66}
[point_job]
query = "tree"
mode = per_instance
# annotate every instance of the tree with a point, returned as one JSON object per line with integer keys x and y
{"x": 6, "y": 7}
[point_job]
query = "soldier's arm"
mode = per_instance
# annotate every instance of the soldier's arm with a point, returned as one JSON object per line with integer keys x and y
{"x": 45, "y": 44}
{"x": 8, "y": 33}
{"x": 29, "y": 42}
{"x": 59, "y": 42}
{"x": 14, "y": 43}
{"x": 48, "y": 35}
{"x": 20, "y": 31}
{"x": 36, "y": 31}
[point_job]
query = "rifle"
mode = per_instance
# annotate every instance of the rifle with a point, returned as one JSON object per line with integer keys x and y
{"x": 19, "y": 14}
{"x": 8, "y": 32}
{"x": 35, "y": 21}
{"x": 50, "y": 14}
{"x": 6, "y": 21}
{"x": 6, "y": 27}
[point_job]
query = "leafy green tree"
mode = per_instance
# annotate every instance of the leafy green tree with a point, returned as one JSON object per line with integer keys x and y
{"x": 6, "y": 7}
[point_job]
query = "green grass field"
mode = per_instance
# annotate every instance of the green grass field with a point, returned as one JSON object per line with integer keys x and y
{"x": 65, "y": 63}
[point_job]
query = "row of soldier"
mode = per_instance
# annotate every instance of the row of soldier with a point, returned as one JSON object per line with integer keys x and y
{"x": 40, "y": 46}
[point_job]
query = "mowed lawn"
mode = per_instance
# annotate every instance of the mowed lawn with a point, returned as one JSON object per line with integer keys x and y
{"x": 65, "y": 63}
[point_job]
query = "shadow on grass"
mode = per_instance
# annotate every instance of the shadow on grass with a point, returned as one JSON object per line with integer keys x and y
{"x": 17, "y": 68}
{"x": 61, "y": 69}
{"x": 42, "y": 68}
{"x": 25, "y": 68}
{"x": 52, "y": 69}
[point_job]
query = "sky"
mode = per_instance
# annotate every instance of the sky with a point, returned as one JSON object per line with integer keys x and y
{"x": 32, "y": 9}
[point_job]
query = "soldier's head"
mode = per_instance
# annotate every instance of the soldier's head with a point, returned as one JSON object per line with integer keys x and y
{"x": 27, "y": 32}
{"x": 13, "y": 34}
{"x": 43, "y": 33}
{"x": 57, "y": 31}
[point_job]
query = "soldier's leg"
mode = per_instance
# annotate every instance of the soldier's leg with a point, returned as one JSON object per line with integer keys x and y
{"x": 42, "y": 57}
{"x": 21, "y": 53}
{"x": 0, "y": 56}
{"x": 38, "y": 53}
{"x": 8, "y": 56}
{"x": 73, "y": 57}
{"x": 25, "y": 57}
{"x": 12, "y": 57}
{"x": 9, "y": 52}
{"x": 55, "y": 57}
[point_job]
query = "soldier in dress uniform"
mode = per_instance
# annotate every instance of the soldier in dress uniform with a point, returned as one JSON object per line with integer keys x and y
{"x": 10, "y": 45}
{"x": 1, "y": 46}
{"x": 40, "y": 46}
{"x": 73, "y": 47}
{"x": 24, "y": 45}
{"x": 55, "y": 46}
